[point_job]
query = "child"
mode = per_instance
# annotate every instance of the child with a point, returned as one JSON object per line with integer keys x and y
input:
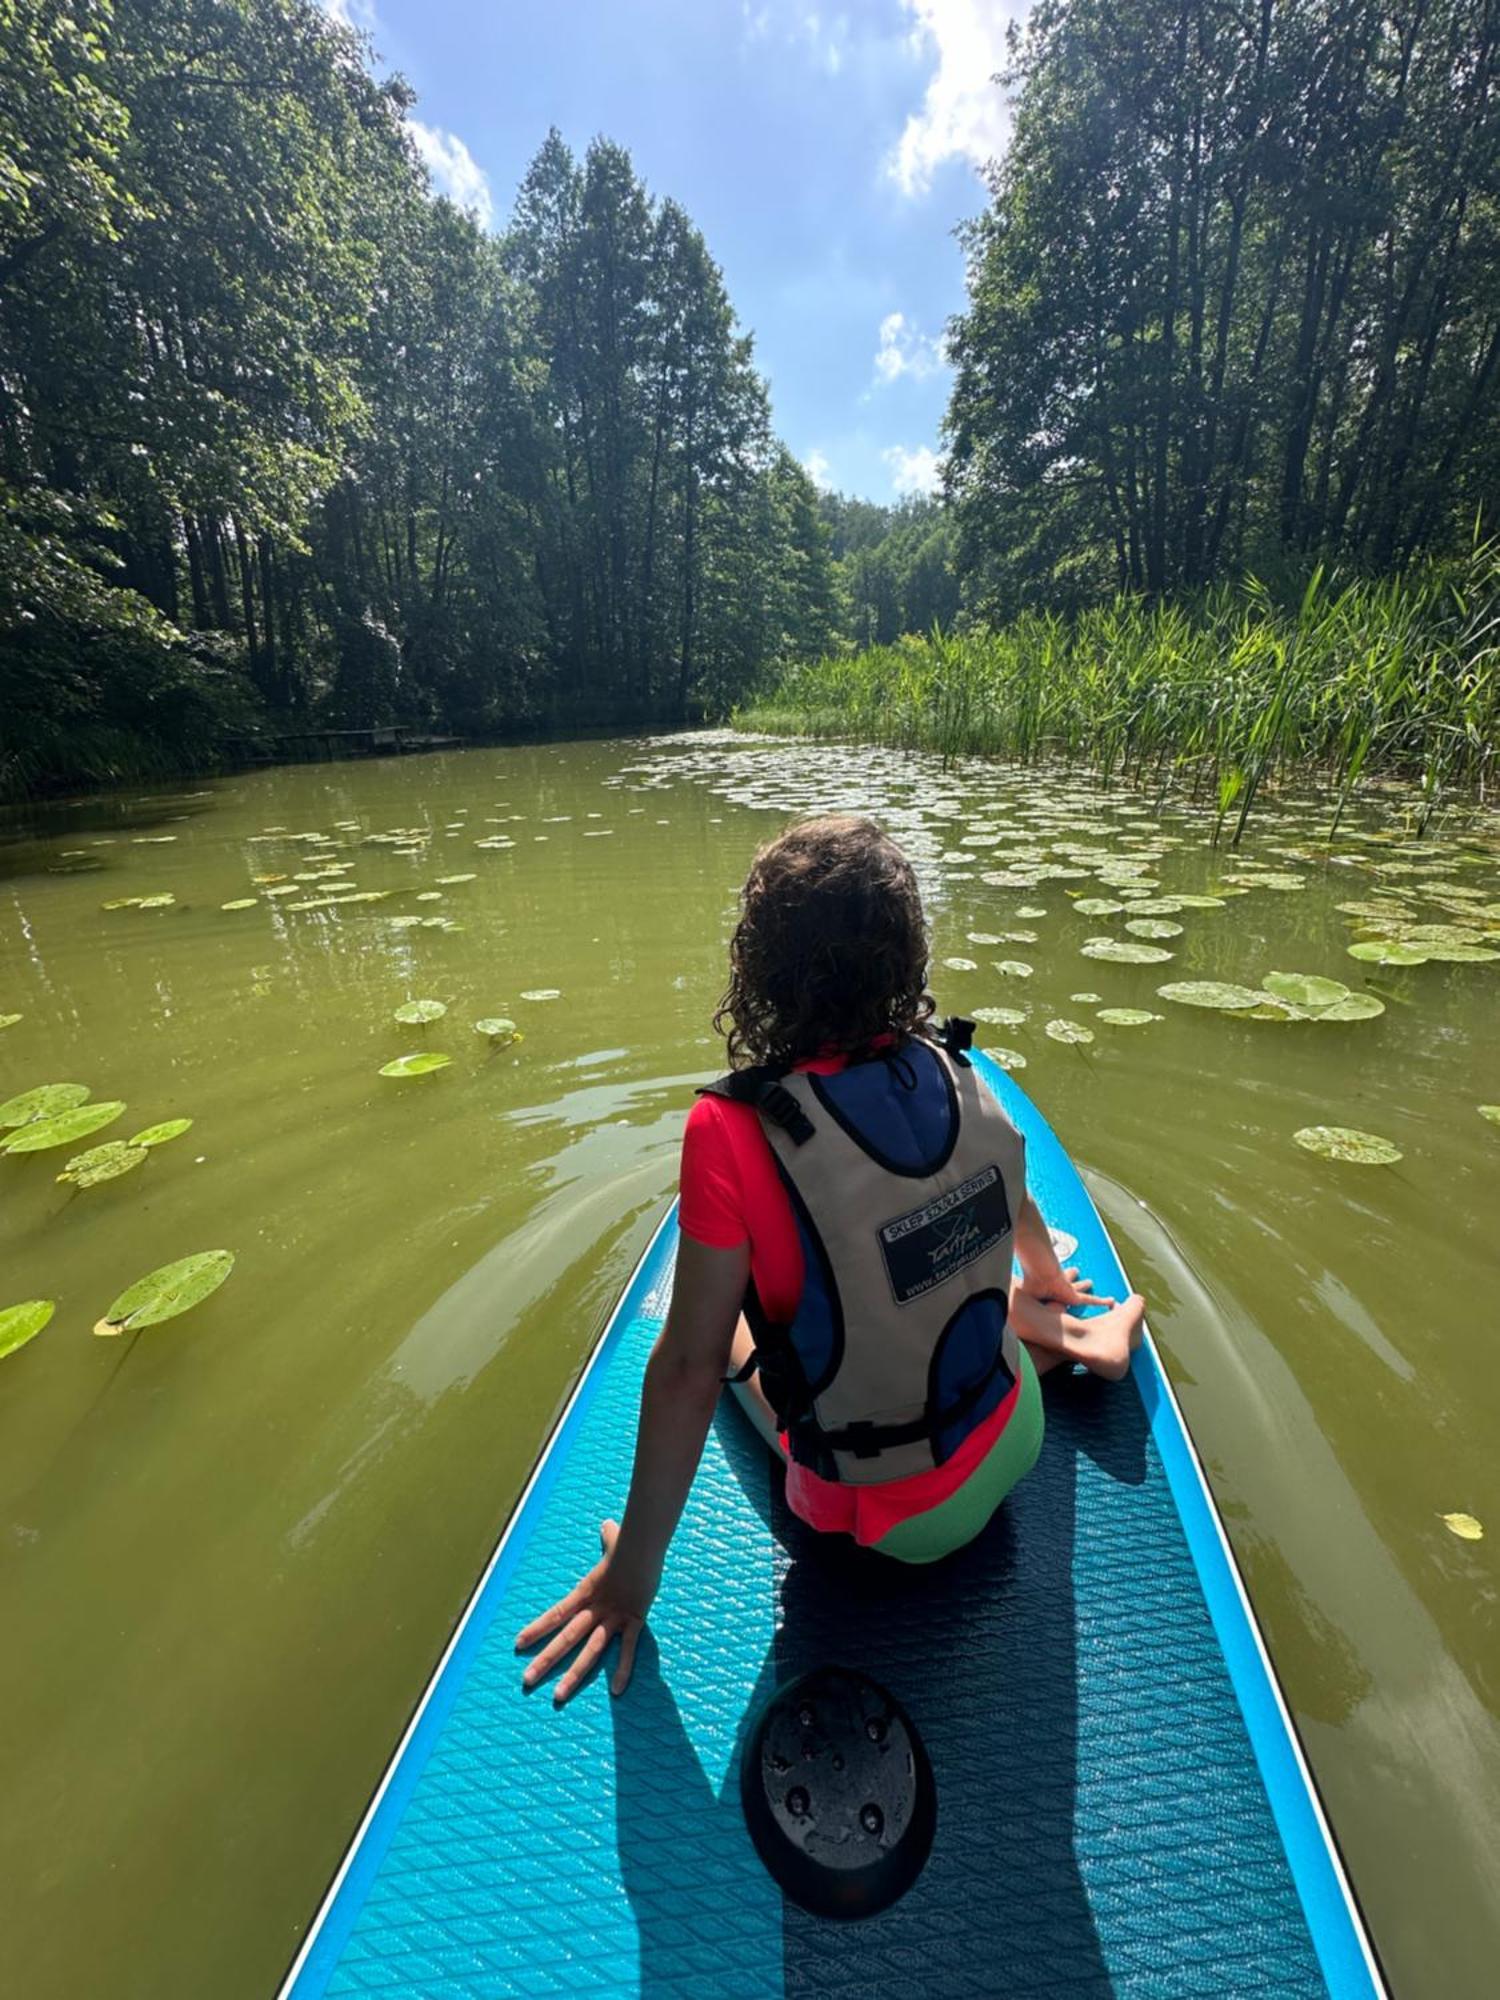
{"x": 852, "y": 1198}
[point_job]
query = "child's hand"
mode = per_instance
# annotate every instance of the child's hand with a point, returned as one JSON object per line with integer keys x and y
{"x": 593, "y": 1611}
{"x": 1064, "y": 1288}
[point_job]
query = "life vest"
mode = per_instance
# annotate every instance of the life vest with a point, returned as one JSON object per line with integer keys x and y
{"x": 905, "y": 1177}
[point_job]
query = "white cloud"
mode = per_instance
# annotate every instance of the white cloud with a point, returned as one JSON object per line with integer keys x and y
{"x": 358, "y": 14}
{"x": 453, "y": 169}
{"x": 916, "y": 471}
{"x": 963, "y": 114}
{"x": 819, "y": 471}
{"x": 903, "y": 350}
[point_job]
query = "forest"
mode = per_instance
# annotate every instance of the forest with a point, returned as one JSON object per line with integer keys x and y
{"x": 288, "y": 442}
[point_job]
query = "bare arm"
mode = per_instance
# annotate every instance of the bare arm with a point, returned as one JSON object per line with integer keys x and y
{"x": 1042, "y": 1276}
{"x": 678, "y": 1396}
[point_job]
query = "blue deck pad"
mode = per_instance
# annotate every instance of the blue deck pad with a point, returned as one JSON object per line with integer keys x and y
{"x": 1106, "y": 1825}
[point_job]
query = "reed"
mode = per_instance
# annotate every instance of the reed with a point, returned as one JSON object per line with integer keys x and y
{"x": 1223, "y": 696}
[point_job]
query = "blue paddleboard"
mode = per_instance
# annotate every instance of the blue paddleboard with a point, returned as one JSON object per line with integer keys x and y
{"x": 1123, "y": 1805}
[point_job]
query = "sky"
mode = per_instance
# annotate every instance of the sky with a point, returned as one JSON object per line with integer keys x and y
{"x": 827, "y": 155}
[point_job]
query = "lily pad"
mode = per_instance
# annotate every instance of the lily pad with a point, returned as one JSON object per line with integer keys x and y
{"x": 1006, "y": 1058}
{"x": 1127, "y": 1017}
{"x": 1462, "y": 954}
{"x": 417, "y": 1013}
{"x": 103, "y": 1163}
{"x": 1305, "y": 989}
{"x": 241, "y": 903}
{"x": 163, "y": 1294}
{"x": 961, "y": 964}
{"x": 158, "y": 1135}
{"x": 1085, "y": 999}
{"x": 999, "y": 1017}
{"x": 1490, "y": 1111}
{"x": 499, "y": 1031}
{"x": 543, "y": 993}
{"x": 1343, "y": 1142}
{"x": 1463, "y": 1525}
{"x": 1069, "y": 1031}
{"x": 1152, "y": 927}
{"x": 161, "y": 902}
{"x": 1125, "y": 951}
{"x": 24, "y": 1322}
{"x": 1389, "y": 951}
{"x": 1009, "y": 968}
{"x": 1219, "y": 994}
{"x": 9, "y": 1020}
{"x": 421, "y": 1064}
{"x": 985, "y": 937}
{"x": 1358, "y": 1007}
{"x": 1029, "y": 912}
{"x": 65, "y": 1128}
{"x": 46, "y": 1101}
{"x": 1097, "y": 906}
{"x": 1184, "y": 902}
{"x": 452, "y": 881}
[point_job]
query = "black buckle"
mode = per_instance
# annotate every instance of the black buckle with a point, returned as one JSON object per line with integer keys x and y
{"x": 958, "y": 1038}
{"x": 779, "y": 1105}
{"x": 862, "y": 1439}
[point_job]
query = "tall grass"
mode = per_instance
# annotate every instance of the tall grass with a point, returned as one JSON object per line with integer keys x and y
{"x": 1223, "y": 696}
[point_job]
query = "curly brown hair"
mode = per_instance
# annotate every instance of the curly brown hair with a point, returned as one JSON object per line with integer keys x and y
{"x": 830, "y": 951}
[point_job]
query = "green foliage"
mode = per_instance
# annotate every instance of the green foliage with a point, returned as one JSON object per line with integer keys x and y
{"x": 1220, "y": 694}
{"x": 1236, "y": 301}
{"x": 285, "y": 440}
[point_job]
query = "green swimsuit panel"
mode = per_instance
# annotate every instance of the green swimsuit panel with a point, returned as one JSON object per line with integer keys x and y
{"x": 939, "y": 1530}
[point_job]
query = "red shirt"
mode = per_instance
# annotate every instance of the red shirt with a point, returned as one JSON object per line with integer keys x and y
{"x": 731, "y": 1192}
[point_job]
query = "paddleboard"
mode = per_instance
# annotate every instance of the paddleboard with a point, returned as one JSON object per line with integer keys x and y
{"x": 1123, "y": 1804}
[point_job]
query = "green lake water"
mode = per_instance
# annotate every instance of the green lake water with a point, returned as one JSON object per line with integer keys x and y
{"x": 231, "y": 1550}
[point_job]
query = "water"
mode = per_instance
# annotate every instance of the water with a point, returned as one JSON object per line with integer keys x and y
{"x": 233, "y": 1548}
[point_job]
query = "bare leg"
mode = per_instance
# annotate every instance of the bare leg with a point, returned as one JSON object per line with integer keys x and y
{"x": 1103, "y": 1343}
{"x": 750, "y": 1395}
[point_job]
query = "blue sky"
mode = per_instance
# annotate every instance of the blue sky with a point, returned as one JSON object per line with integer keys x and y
{"x": 826, "y": 154}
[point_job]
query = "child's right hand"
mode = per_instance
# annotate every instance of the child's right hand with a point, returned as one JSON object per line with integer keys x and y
{"x": 1065, "y": 1289}
{"x": 600, "y": 1605}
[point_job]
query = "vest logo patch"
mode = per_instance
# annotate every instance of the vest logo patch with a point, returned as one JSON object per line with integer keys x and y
{"x": 925, "y": 1248}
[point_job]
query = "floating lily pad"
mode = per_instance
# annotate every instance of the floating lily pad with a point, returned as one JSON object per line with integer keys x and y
{"x": 1198, "y": 902}
{"x": 961, "y": 964}
{"x": 1389, "y": 951}
{"x": 1125, "y": 951}
{"x": 46, "y": 1101}
{"x": 103, "y": 1163}
{"x": 1086, "y": 999}
{"x": 429, "y": 896}
{"x": 543, "y": 993}
{"x": 1069, "y": 1031}
{"x": 241, "y": 903}
{"x": 421, "y": 1064}
{"x": 1342, "y": 1142}
{"x": 9, "y": 1020}
{"x": 64, "y": 1129}
{"x": 1011, "y": 968}
{"x": 1152, "y": 927}
{"x": 1463, "y": 1525}
{"x": 1127, "y": 1017}
{"x": 999, "y": 1017}
{"x": 1215, "y": 993}
{"x": 1358, "y": 1007}
{"x": 451, "y": 881}
{"x": 1097, "y": 906}
{"x": 1462, "y": 954}
{"x": 499, "y": 1031}
{"x": 123, "y": 903}
{"x": 417, "y": 1013}
{"x": 158, "y": 1135}
{"x": 164, "y": 1293}
{"x": 24, "y": 1322}
{"x": 1305, "y": 989}
{"x": 1006, "y": 1058}
{"x": 985, "y": 937}
{"x": 161, "y": 902}
{"x": 1029, "y": 912}
{"x": 1490, "y": 1111}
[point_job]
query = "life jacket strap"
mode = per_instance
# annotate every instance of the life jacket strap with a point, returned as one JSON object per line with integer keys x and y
{"x": 869, "y": 1440}
{"x": 761, "y": 1085}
